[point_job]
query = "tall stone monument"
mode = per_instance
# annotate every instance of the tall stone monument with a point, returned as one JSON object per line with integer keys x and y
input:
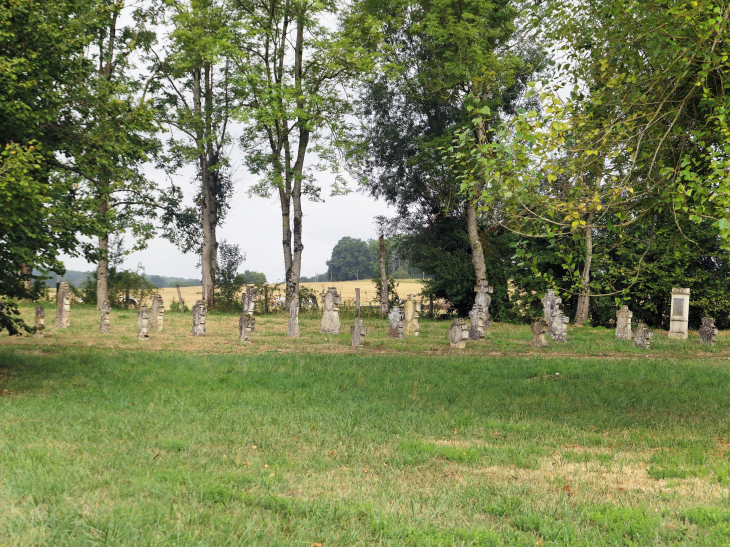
{"x": 679, "y": 314}
{"x": 143, "y": 321}
{"x": 397, "y": 327}
{"x": 539, "y": 329}
{"x": 411, "y": 310}
{"x": 458, "y": 334}
{"x": 331, "y": 316}
{"x": 623, "y": 323}
{"x": 63, "y": 311}
{"x": 556, "y": 321}
{"x": 358, "y": 332}
{"x": 708, "y": 331}
{"x": 642, "y": 336}
{"x": 479, "y": 316}
{"x": 292, "y": 330}
{"x": 40, "y": 321}
{"x": 104, "y": 323}
{"x": 199, "y": 313}
{"x": 247, "y": 321}
{"x": 157, "y": 313}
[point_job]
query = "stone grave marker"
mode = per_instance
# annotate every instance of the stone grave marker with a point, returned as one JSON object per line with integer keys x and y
{"x": 642, "y": 336}
{"x": 556, "y": 321}
{"x": 397, "y": 327}
{"x": 104, "y": 322}
{"x": 679, "y": 314}
{"x": 708, "y": 331}
{"x": 143, "y": 321}
{"x": 623, "y": 323}
{"x": 539, "y": 329}
{"x": 477, "y": 323}
{"x": 63, "y": 311}
{"x": 199, "y": 313}
{"x": 157, "y": 313}
{"x": 358, "y": 332}
{"x": 330, "y": 323}
{"x": 479, "y": 316}
{"x": 411, "y": 310}
{"x": 40, "y": 321}
{"x": 247, "y": 321}
{"x": 357, "y": 302}
{"x": 458, "y": 334}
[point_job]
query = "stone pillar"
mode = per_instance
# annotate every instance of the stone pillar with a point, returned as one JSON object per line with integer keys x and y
{"x": 708, "y": 332}
{"x": 642, "y": 336}
{"x": 143, "y": 322}
{"x": 63, "y": 311}
{"x": 458, "y": 334}
{"x": 104, "y": 324}
{"x": 357, "y": 302}
{"x": 539, "y": 329}
{"x": 40, "y": 321}
{"x": 157, "y": 313}
{"x": 199, "y": 313}
{"x": 247, "y": 322}
{"x": 480, "y": 319}
{"x": 623, "y": 323}
{"x": 557, "y": 321}
{"x": 679, "y": 314}
{"x": 358, "y": 332}
{"x": 397, "y": 327}
{"x": 409, "y": 308}
{"x": 330, "y": 323}
{"x": 292, "y": 330}
{"x": 416, "y": 315}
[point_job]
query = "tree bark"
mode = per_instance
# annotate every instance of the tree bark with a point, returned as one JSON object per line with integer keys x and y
{"x": 383, "y": 279}
{"x": 477, "y": 252}
{"x": 102, "y": 270}
{"x": 584, "y": 299}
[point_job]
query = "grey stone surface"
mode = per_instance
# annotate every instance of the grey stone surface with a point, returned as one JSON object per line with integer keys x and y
{"x": 104, "y": 322}
{"x": 143, "y": 322}
{"x": 330, "y": 323}
{"x": 397, "y": 328}
{"x": 539, "y": 330}
{"x": 412, "y": 310}
{"x": 623, "y": 323}
{"x": 250, "y": 297}
{"x": 679, "y": 314}
{"x": 357, "y": 302}
{"x": 358, "y": 332}
{"x": 708, "y": 331}
{"x": 63, "y": 311}
{"x": 292, "y": 330}
{"x": 557, "y": 322}
{"x": 157, "y": 313}
{"x": 477, "y": 323}
{"x": 458, "y": 334}
{"x": 199, "y": 313}
{"x": 40, "y": 321}
{"x": 642, "y": 336}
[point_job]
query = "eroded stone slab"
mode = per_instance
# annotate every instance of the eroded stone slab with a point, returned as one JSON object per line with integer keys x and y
{"x": 553, "y": 315}
{"x": 143, "y": 322}
{"x": 642, "y": 336}
{"x": 623, "y": 323}
{"x": 157, "y": 313}
{"x": 330, "y": 323}
{"x": 397, "y": 328}
{"x": 199, "y": 313}
{"x": 358, "y": 332}
{"x": 539, "y": 329}
{"x": 458, "y": 334}
{"x": 63, "y": 310}
{"x": 708, "y": 331}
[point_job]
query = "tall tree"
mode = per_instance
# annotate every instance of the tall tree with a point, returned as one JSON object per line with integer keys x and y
{"x": 351, "y": 259}
{"x": 293, "y": 78}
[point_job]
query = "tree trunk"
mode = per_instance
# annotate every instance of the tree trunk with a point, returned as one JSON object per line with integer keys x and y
{"x": 383, "y": 279}
{"x": 26, "y": 272}
{"x": 584, "y": 299}
{"x": 477, "y": 252}
{"x": 102, "y": 271}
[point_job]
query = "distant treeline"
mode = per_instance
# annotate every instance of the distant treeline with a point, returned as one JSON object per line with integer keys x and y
{"x": 76, "y": 279}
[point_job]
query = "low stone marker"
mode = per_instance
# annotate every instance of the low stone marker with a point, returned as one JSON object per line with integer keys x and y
{"x": 557, "y": 322}
{"x": 104, "y": 323}
{"x": 623, "y": 323}
{"x": 539, "y": 329}
{"x": 63, "y": 311}
{"x": 708, "y": 331}
{"x": 199, "y": 313}
{"x": 642, "y": 336}
{"x": 40, "y": 321}
{"x": 679, "y": 314}
{"x": 143, "y": 321}
{"x": 397, "y": 327}
{"x": 458, "y": 334}
{"x": 330, "y": 323}
{"x": 292, "y": 330}
{"x": 157, "y": 313}
{"x": 411, "y": 310}
{"x": 358, "y": 332}
{"x": 477, "y": 323}
{"x": 247, "y": 321}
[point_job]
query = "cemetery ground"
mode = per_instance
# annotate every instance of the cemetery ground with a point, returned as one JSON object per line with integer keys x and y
{"x": 106, "y": 440}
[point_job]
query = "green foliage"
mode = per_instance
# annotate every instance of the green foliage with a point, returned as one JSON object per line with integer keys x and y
{"x": 351, "y": 259}
{"x": 123, "y": 285}
{"x": 393, "y": 298}
{"x": 228, "y": 282}
{"x": 253, "y": 278}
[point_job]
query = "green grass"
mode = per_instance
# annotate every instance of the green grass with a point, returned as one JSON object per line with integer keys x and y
{"x": 120, "y": 447}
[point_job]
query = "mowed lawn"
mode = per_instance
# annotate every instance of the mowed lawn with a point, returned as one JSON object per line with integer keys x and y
{"x": 117, "y": 442}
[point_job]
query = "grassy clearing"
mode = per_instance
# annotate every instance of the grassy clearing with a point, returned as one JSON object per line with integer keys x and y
{"x": 102, "y": 446}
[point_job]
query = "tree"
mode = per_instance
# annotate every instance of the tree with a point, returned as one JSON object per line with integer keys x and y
{"x": 292, "y": 78}
{"x": 228, "y": 281}
{"x": 351, "y": 259}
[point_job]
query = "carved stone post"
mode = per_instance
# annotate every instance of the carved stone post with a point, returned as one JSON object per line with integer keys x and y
{"x": 679, "y": 315}
{"x": 330, "y": 323}
{"x": 143, "y": 321}
{"x": 556, "y": 320}
{"x": 623, "y": 323}
{"x": 708, "y": 332}
{"x": 481, "y": 320}
{"x": 40, "y": 321}
{"x": 397, "y": 327}
{"x": 199, "y": 313}
{"x": 358, "y": 332}
{"x": 63, "y": 311}
{"x": 539, "y": 329}
{"x": 458, "y": 334}
{"x": 157, "y": 313}
{"x": 357, "y": 302}
{"x": 104, "y": 324}
{"x": 642, "y": 336}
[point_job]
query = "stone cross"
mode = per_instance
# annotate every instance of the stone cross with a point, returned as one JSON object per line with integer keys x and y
{"x": 157, "y": 313}
{"x": 458, "y": 334}
{"x": 397, "y": 327}
{"x": 679, "y": 314}
{"x": 623, "y": 323}
{"x": 63, "y": 311}
{"x": 331, "y": 316}
{"x": 642, "y": 336}
{"x": 357, "y": 302}
{"x": 358, "y": 332}
{"x": 480, "y": 318}
{"x": 40, "y": 321}
{"x": 556, "y": 321}
{"x": 104, "y": 325}
{"x": 143, "y": 321}
{"x": 292, "y": 330}
{"x": 539, "y": 329}
{"x": 708, "y": 331}
{"x": 199, "y": 313}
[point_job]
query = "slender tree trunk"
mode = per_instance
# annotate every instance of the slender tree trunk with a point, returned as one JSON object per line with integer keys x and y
{"x": 477, "y": 252}
{"x": 102, "y": 270}
{"x": 383, "y": 279}
{"x": 584, "y": 299}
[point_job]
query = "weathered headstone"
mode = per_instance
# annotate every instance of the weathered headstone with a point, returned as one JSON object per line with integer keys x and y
{"x": 199, "y": 313}
{"x": 40, "y": 321}
{"x": 539, "y": 329}
{"x": 679, "y": 314}
{"x": 250, "y": 297}
{"x": 104, "y": 323}
{"x": 292, "y": 330}
{"x": 708, "y": 331}
{"x": 458, "y": 334}
{"x": 397, "y": 327}
{"x": 63, "y": 311}
{"x": 479, "y": 317}
{"x": 157, "y": 313}
{"x": 477, "y": 323}
{"x": 247, "y": 321}
{"x": 557, "y": 322}
{"x": 642, "y": 336}
{"x": 143, "y": 321}
{"x": 623, "y": 323}
{"x": 411, "y": 310}
{"x": 331, "y": 316}
{"x": 358, "y": 332}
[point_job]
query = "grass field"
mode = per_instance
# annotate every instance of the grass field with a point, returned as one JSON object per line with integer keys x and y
{"x": 181, "y": 441}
